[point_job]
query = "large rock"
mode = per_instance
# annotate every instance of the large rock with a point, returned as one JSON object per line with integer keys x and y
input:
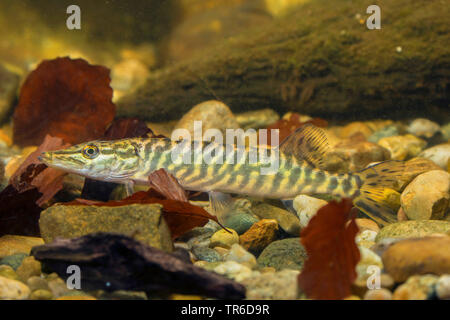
{"x": 10, "y": 244}
{"x": 354, "y": 154}
{"x": 413, "y": 229}
{"x": 416, "y": 288}
{"x": 144, "y": 222}
{"x": 417, "y": 256}
{"x": 403, "y": 147}
{"x": 306, "y": 207}
{"x": 423, "y": 128}
{"x": 427, "y": 196}
{"x": 283, "y": 254}
{"x": 212, "y": 114}
{"x": 13, "y": 290}
{"x": 439, "y": 154}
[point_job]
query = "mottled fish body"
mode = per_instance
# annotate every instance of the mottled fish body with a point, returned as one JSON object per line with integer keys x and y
{"x": 299, "y": 168}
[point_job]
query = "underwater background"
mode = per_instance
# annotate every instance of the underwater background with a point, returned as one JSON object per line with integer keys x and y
{"x": 366, "y": 86}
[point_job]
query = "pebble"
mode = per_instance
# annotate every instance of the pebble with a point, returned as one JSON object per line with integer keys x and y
{"x": 416, "y": 288}
{"x": 14, "y": 260}
{"x": 443, "y": 287}
{"x": 234, "y": 270}
{"x": 221, "y": 251}
{"x": 409, "y": 257}
{"x": 206, "y": 254}
{"x": 29, "y": 267}
{"x": 280, "y": 285}
{"x": 403, "y": 147}
{"x": 306, "y": 207}
{"x": 12, "y": 244}
{"x": 283, "y": 254}
{"x": 238, "y": 254}
{"x": 58, "y": 287}
{"x": 368, "y": 259}
{"x": 286, "y": 220}
{"x": 354, "y": 154}
{"x": 413, "y": 229}
{"x": 8, "y": 272}
{"x": 378, "y": 294}
{"x": 41, "y": 294}
{"x": 224, "y": 239}
{"x": 355, "y": 127}
{"x": 213, "y": 114}
{"x": 367, "y": 224}
{"x": 259, "y": 236}
{"x": 385, "y": 132}
{"x": 257, "y": 119}
{"x": 366, "y": 235}
{"x": 445, "y": 130}
{"x": 427, "y": 196}
{"x": 240, "y": 222}
{"x": 37, "y": 283}
{"x": 423, "y": 128}
{"x": 439, "y": 154}
{"x": 13, "y": 289}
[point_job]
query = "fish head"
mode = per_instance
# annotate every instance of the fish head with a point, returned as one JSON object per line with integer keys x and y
{"x": 114, "y": 161}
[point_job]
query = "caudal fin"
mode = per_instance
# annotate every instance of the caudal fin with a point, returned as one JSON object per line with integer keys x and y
{"x": 381, "y": 186}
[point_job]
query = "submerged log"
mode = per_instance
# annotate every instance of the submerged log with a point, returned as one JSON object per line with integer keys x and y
{"x": 114, "y": 262}
{"x": 319, "y": 60}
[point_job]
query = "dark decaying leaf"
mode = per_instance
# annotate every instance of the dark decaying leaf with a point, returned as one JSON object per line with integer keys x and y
{"x": 115, "y": 262}
{"x": 32, "y": 185}
{"x": 288, "y": 126}
{"x": 329, "y": 240}
{"x": 65, "y": 98}
{"x": 19, "y": 213}
{"x": 34, "y": 174}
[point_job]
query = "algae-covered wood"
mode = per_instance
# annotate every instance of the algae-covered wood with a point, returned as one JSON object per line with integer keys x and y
{"x": 321, "y": 60}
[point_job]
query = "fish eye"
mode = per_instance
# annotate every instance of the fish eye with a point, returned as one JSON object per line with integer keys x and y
{"x": 90, "y": 151}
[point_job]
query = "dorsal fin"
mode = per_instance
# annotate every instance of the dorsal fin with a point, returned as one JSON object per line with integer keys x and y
{"x": 308, "y": 143}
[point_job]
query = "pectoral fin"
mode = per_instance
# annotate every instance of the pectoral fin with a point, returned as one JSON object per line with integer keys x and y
{"x": 220, "y": 203}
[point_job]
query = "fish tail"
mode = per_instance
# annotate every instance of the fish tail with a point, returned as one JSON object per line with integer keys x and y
{"x": 381, "y": 184}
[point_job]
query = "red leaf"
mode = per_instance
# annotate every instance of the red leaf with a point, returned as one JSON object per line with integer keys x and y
{"x": 329, "y": 240}
{"x": 32, "y": 185}
{"x": 33, "y": 174}
{"x": 127, "y": 128}
{"x": 65, "y": 98}
{"x": 167, "y": 185}
{"x": 288, "y": 126}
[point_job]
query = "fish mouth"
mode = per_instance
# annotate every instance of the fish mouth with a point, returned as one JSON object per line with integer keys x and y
{"x": 45, "y": 157}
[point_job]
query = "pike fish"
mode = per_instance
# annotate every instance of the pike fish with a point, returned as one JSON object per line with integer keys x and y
{"x": 300, "y": 170}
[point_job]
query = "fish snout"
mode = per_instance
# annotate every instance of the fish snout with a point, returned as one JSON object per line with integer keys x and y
{"x": 45, "y": 157}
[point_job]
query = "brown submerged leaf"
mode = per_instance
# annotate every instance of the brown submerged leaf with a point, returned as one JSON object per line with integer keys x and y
{"x": 288, "y": 126}
{"x": 329, "y": 240}
{"x": 65, "y": 98}
{"x": 127, "y": 128}
{"x": 31, "y": 186}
